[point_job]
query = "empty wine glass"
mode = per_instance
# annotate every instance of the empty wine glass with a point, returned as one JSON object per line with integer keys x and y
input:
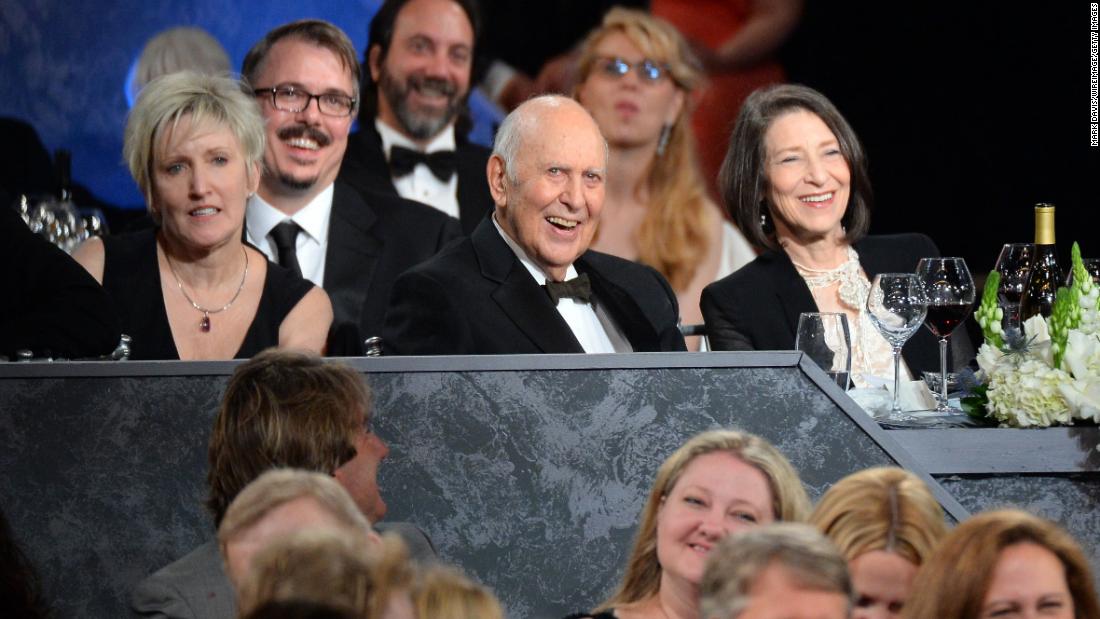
{"x": 897, "y": 306}
{"x": 1014, "y": 265}
{"x": 824, "y": 338}
{"x": 950, "y": 291}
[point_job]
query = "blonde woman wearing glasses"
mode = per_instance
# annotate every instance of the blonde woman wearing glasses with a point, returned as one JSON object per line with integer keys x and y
{"x": 636, "y": 78}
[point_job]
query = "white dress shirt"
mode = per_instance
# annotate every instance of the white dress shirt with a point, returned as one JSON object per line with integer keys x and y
{"x": 592, "y": 326}
{"x": 313, "y": 218}
{"x": 422, "y": 185}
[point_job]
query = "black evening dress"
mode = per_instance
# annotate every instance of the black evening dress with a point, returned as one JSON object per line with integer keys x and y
{"x": 132, "y": 278}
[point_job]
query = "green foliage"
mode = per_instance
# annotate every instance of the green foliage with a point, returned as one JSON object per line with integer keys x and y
{"x": 974, "y": 404}
{"x": 1060, "y": 322}
{"x": 1066, "y": 314}
{"x": 989, "y": 315}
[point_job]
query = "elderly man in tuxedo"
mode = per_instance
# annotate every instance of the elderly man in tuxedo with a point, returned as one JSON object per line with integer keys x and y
{"x": 525, "y": 280}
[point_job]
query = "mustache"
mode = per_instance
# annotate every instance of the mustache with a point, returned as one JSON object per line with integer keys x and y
{"x": 304, "y": 131}
{"x": 433, "y": 85}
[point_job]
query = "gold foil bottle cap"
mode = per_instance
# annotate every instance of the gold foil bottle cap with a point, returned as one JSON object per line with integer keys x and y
{"x": 1044, "y": 224}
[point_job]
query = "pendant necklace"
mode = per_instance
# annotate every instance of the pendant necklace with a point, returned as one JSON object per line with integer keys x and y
{"x": 204, "y": 324}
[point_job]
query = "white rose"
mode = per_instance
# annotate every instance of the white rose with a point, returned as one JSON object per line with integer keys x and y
{"x": 1083, "y": 398}
{"x": 1082, "y": 358}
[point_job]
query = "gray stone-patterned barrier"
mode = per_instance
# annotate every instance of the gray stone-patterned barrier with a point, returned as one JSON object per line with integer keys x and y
{"x": 527, "y": 471}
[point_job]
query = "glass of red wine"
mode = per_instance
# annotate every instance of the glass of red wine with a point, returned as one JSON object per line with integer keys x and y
{"x": 950, "y": 292}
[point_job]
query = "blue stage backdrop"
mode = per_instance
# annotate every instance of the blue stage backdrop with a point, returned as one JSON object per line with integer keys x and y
{"x": 64, "y": 65}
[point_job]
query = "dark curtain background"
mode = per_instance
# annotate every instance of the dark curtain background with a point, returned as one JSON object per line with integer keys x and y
{"x": 971, "y": 112}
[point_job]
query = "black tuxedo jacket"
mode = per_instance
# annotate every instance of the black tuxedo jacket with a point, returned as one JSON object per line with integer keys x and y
{"x": 372, "y": 239}
{"x": 366, "y": 168}
{"x": 476, "y": 297}
{"x": 757, "y": 306}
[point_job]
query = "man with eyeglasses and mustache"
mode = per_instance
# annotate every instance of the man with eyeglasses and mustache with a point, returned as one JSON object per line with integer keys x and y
{"x": 350, "y": 241}
{"x": 420, "y": 56}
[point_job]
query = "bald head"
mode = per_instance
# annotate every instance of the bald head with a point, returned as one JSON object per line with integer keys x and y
{"x": 533, "y": 115}
{"x": 546, "y": 176}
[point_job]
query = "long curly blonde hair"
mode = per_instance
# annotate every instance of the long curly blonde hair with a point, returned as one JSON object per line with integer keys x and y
{"x": 673, "y": 237}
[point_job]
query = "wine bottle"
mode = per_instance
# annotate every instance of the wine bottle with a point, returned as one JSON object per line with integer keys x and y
{"x": 1046, "y": 275}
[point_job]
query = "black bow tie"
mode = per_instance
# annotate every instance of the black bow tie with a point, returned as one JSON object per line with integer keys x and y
{"x": 578, "y": 288}
{"x": 403, "y": 161}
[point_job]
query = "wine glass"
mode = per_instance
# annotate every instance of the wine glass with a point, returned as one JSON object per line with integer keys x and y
{"x": 950, "y": 291}
{"x": 1014, "y": 265}
{"x": 823, "y": 337}
{"x": 896, "y": 305}
{"x": 1092, "y": 265}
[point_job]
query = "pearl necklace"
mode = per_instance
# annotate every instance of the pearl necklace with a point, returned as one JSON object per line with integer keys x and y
{"x": 204, "y": 324}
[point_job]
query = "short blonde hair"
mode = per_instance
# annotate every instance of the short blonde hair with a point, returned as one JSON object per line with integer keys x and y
{"x": 737, "y": 561}
{"x": 316, "y": 565}
{"x": 954, "y": 581}
{"x": 883, "y": 508}
{"x": 279, "y": 486}
{"x": 445, "y": 593}
{"x": 205, "y": 99}
{"x": 789, "y": 501}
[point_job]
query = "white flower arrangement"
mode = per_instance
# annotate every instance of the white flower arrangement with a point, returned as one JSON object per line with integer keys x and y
{"x": 1050, "y": 373}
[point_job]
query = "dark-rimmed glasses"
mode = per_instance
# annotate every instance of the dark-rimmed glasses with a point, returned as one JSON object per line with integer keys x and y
{"x": 290, "y": 99}
{"x": 648, "y": 70}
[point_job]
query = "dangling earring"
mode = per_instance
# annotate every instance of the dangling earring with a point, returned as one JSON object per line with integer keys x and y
{"x": 662, "y": 141}
{"x": 765, "y": 223}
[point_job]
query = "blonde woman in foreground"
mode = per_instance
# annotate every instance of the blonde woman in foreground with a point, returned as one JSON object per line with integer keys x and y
{"x": 717, "y": 483}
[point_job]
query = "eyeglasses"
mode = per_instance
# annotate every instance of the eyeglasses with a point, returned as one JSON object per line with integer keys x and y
{"x": 290, "y": 99}
{"x": 648, "y": 70}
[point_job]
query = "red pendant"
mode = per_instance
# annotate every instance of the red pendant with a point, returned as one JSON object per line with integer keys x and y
{"x": 205, "y": 324}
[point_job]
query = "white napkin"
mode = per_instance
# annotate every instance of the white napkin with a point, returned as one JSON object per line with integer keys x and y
{"x": 878, "y": 399}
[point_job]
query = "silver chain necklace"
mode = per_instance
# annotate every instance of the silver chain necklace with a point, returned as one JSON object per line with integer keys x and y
{"x": 204, "y": 324}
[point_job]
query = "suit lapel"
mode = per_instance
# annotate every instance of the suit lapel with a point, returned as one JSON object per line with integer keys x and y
{"x": 623, "y": 308}
{"x": 790, "y": 289}
{"x": 518, "y": 296}
{"x": 352, "y": 254}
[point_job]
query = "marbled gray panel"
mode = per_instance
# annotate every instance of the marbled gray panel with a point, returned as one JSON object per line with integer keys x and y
{"x": 530, "y": 479}
{"x": 1072, "y": 501}
{"x": 103, "y": 480}
{"x": 534, "y": 480}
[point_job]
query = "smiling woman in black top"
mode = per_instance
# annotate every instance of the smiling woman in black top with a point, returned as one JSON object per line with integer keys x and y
{"x": 795, "y": 180}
